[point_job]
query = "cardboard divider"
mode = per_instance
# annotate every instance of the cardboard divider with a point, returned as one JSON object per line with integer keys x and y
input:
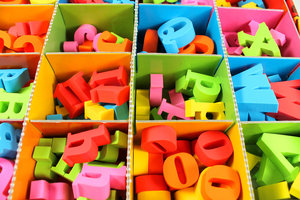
{"x": 131, "y": 177}
{"x": 24, "y": 173}
{"x": 191, "y": 130}
{"x": 272, "y": 4}
{"x": 199, "y": 15}
{"x": 59, "y": 128}
{"x": 287, "y": 26}
{"x": 227, "y": 93}
{"x": 38, "y": 129}
{"x": 235, "y": 19}
{"x": 103, "y": 16}
{"x": 239, "y": 162}
{"x": 119, "y": 18}
{"x": 15, "y": 123}
{"x": 253, "y": 130}
{"x": 174, "y": 66}
{"x": 87, "y": 62}
{"x": 210, "y": 2}
{"x": 14, "y": 3}
{"x": 184, "y": 129}
{"x": 60, "y": 67}
{"x": 213, "y": 31}
{"x": 63, "y": 1}
{"x": 42, "y": 103}
{"x": 276, "y": 4}
{"x": 10, "y": 14}
{"x": 17, "y": 61}
{"x": 272, "y": 66}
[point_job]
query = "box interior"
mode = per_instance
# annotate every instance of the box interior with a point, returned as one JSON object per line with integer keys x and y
{"x": 11, "y": 14}
{"x": 192, "y": 129}
{"x": 152, "y": 16}
{"x": 59, "y": 67}
{"x": 175, "y": 66}
{"x": 17, "y": 61}
{"x": 104, "y": 17}
{"x": 33, "y": 132}
{"x": 235, "y": 19}
{"x": 272, "y": 66}
{"x": 276, "y": 4}
{"x": 55, "y": 69}
{"x": 252, "y": 131}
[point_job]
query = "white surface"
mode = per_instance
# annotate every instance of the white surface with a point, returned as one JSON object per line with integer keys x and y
{"x": 297, "y": 5}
